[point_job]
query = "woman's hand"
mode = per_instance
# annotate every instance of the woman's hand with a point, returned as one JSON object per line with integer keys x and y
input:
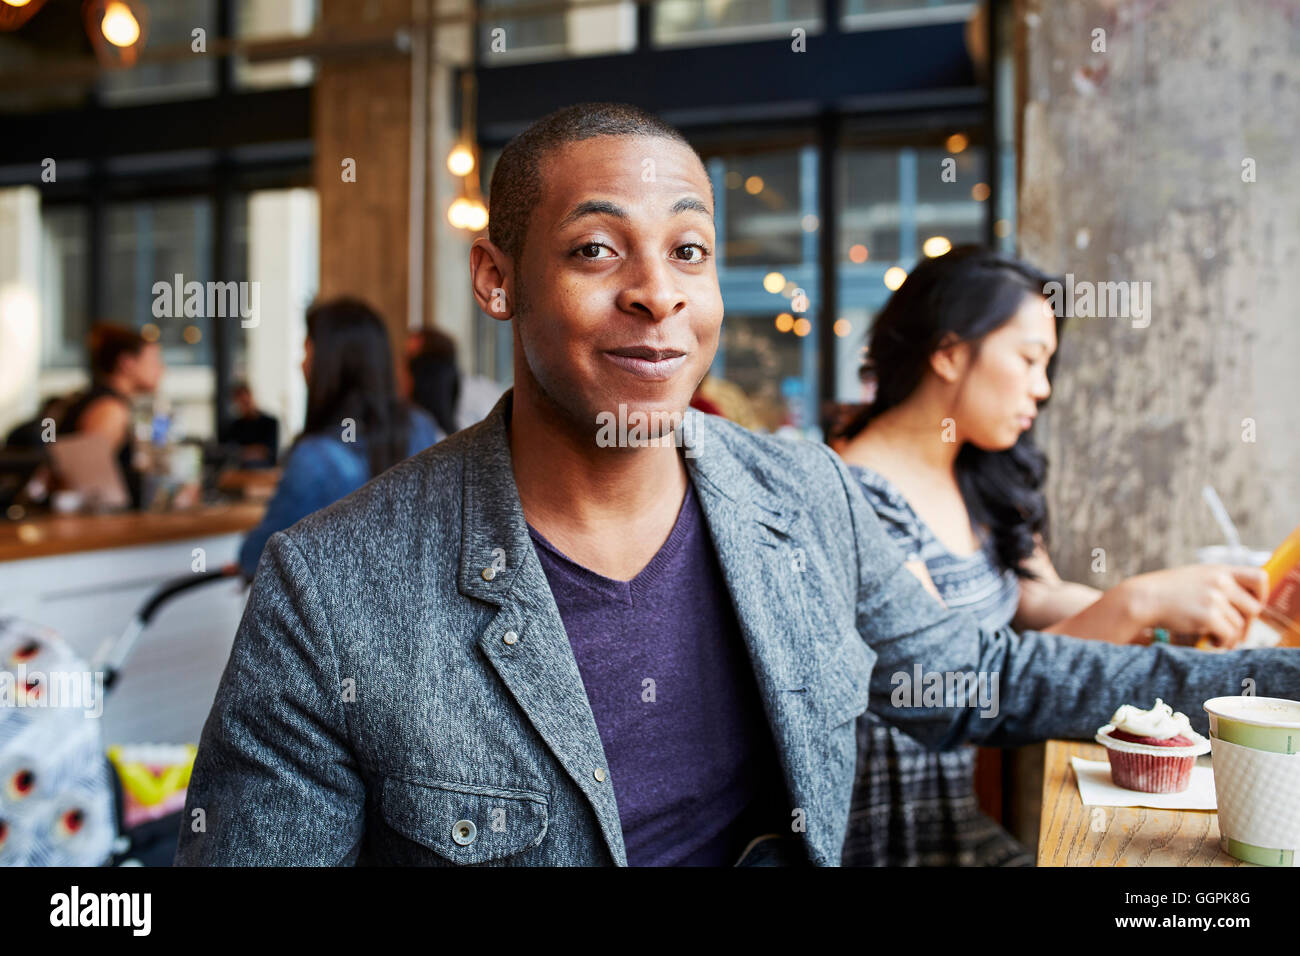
{"x": 1215, "y": 599}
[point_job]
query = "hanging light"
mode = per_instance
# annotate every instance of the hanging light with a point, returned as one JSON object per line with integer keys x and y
{"x": 476, "y": 216}
{"x": 460, "y": 161}
{"x": 469, "y": 212}
{"x": 458, "y": 213}
{"x": 117, "y": 29}
{"x": 119, "y": 26}
{"x": 14, "y": 13}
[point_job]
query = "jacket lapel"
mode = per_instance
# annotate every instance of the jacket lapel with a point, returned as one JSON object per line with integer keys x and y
{"x": 761, "y": 565}
{"x": 498, "y": 565}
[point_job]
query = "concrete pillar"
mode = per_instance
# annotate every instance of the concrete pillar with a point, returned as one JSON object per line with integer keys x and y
{"x": 1157, "y": 149}
{"x": 366, "y": 110}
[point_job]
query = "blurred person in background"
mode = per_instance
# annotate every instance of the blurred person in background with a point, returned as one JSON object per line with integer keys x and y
{"x": 435, "y": 383}
{"x": 968, "y": 341}
{"x": 357, "y": 427}
{"x": 122, "y": 365}
{"x": 256, "y": 433}
{"x": 435, "y": 380}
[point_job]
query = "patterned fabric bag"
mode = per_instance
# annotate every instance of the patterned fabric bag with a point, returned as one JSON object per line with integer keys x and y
{"x": 56, "y": 794}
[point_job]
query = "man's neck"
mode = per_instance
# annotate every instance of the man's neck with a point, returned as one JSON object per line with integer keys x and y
{"x": 609, "y": 509}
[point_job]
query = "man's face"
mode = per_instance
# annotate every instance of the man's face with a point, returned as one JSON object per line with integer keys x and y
{"x": 619, "y": 301}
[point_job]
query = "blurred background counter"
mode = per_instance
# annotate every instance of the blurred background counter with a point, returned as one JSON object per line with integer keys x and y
{"x": 86, "y": 576}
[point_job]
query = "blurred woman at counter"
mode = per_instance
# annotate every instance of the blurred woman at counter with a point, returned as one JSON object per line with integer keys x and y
{"x": 122, "y": 365}
{"x": 356, "y": 427}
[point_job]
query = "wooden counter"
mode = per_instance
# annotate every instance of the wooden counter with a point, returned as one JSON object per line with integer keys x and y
{"x": 69, "y": 534}
{"x": 1071, "y": 834}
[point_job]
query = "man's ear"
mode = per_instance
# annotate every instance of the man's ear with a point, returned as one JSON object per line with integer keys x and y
{"x": 491, "y": 274}
{"x": 950, "y": 359}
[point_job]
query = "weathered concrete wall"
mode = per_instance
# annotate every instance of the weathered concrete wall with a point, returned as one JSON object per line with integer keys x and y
{"x": 1132, "y": 170}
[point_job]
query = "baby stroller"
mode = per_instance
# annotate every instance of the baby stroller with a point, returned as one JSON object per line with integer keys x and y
{"x": 64, "y": 800}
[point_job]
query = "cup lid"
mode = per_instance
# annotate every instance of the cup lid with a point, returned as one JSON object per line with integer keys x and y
{"x": 1257, "y": 711}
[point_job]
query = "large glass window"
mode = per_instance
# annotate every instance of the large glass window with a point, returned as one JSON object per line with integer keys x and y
{"x": 65, "y": 238}
{"x": 766, "y": 214}
{"x": 165, "y": 241}
{"x": 170, "y": 24}
{"x": 887, "y": 13}
{"x": 582, "y": 31}
{"x": 711, "y": 21}
{"x": 275, "y": 19}
{"x": 898, "y": 203}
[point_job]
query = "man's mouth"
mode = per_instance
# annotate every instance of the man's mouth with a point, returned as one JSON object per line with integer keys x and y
{"x": 645, "y": 362}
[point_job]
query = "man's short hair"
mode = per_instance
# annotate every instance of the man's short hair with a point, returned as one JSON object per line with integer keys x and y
{"x": 516, "y": 186}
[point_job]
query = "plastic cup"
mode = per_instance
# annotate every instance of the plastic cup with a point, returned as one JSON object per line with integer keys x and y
{"x": 1255, "y": 753}
{"x": 1258, "y": 634}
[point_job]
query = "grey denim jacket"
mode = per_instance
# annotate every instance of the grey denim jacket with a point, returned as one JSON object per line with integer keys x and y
{"x": 401, "y": 689}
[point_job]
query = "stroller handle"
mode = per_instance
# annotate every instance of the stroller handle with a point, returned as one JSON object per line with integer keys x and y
{"x": 114, "y": 652}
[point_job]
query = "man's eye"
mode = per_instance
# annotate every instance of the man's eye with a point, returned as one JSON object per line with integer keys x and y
{"x": 699, "y": 254}
{"x": 591, "y": 250}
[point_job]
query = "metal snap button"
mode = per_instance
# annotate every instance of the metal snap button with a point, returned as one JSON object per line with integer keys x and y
{"x": 464, "y": 832}
{"x": 489, "y": 573}
{"x": 510, "y": 637}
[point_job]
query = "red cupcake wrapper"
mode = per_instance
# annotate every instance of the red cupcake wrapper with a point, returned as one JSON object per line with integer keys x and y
{"x": 1149, "y": 773}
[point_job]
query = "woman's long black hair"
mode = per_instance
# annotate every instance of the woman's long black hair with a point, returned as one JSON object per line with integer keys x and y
{"x": 961, "y": 297}
{"x": 352, "y": 377}
{"x": 435, "y": 380}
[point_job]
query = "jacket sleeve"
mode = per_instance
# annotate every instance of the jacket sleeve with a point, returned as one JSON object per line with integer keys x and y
{"x": 1010, "y": 689}
{"x": 275, "y": 781}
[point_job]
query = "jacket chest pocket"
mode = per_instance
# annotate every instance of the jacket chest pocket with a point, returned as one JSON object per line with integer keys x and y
{"x": 464, "y": 823}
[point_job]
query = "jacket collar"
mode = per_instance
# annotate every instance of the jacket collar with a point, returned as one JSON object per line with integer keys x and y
{"x": 493, "y": 525}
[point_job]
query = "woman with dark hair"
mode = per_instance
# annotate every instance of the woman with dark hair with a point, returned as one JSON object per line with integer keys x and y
{"x": 435, "y": 379}
{"x": 122, "y": 365}
{"x": 961, "y": 359}
{"x": 356, "y": 426}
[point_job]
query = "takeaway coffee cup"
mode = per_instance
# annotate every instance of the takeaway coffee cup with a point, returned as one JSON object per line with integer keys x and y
{"x": 1255, "y": 747}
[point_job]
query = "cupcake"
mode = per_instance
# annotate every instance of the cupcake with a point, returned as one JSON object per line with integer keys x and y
{"x": 1152, "y": 751}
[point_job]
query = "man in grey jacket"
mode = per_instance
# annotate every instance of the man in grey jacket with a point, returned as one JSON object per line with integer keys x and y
{"x": 598, "y": 628}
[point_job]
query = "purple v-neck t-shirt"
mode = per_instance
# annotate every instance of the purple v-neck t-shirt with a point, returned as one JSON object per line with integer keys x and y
{"x": 671, "y": 686}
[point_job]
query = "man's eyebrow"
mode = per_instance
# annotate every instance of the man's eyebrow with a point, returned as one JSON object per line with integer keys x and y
{"x": 603, "y": 207}
{"x": 691, "y": 204}
{"x": 594, "y": 207}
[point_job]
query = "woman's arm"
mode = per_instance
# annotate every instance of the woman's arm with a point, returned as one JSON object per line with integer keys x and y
{"x": 1046, "y": 599}
{"x": 106, "y": 416}
{"x": 1217, "y": 600}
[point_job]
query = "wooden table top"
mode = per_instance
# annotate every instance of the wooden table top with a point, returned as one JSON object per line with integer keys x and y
{"x": 69, "y": 534}
{"x": 1071, "y": 834}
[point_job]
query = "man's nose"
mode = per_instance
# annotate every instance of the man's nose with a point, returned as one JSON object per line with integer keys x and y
{"x": 653, "y": 289}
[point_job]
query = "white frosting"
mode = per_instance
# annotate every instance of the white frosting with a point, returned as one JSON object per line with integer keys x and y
{"x": 1160, "y": 721}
